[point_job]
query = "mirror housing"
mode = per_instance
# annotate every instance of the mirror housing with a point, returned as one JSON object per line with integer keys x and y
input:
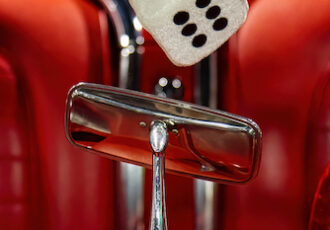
{"x": 203, "y": 143}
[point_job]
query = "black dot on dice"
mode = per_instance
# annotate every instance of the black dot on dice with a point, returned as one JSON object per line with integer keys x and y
{"x": 181, "y": 17}
{"x": 199, "y": 40}
{"x": 202, "y": 3}
{"x": 189, "y": 29}
{"x": 213, "y": 12}
{"x": 220, "y": 24}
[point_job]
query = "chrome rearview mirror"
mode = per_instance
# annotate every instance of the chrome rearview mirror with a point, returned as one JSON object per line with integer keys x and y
{"x": 202, "y": 143}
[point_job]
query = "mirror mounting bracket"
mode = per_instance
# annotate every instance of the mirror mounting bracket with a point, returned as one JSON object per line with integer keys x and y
{"x": 158, "y": 141}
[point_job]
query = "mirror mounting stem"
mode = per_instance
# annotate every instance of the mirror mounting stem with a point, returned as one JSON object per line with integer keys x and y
{"x": 158, "y": 141}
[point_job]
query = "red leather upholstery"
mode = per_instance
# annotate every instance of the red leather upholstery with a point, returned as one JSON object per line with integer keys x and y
{"x": 14, "y": 158}
{"x": 276, "y": 63}
{"x": 46, "y": 47}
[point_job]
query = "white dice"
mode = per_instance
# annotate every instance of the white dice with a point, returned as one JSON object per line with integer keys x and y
{"x": 190, "y": 30}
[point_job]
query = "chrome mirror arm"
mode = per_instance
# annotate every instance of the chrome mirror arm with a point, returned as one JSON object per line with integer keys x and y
{"x": 158, "y": 141}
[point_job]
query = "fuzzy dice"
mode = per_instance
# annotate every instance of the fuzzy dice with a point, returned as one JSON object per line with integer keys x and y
{"x": 190, "y": 30}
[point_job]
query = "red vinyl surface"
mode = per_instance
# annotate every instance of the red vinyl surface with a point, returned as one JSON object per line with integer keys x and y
{"x": 276, "y": 66}
{"x": 274, "y": 70}
{"x": 46, "y": 47}
{"x": 320, "y": 218}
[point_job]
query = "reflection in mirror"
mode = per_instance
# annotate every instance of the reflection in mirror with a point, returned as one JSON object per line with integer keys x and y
{"x": 203, "y": 143}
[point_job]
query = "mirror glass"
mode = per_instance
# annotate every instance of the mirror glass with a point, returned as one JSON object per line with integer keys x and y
{"x": 203, "y": 143}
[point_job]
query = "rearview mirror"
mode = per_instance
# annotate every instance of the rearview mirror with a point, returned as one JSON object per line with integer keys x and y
{"x": 202, "y": 143}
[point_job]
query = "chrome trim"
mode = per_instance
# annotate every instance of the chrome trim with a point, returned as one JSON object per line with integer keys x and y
{"x": 206, "y": 192}
{"x": 130, "y": 205}
{"x": 205, "y": 204}
{"x": 129, "y": 36}
{"x": 130, "y": 40}
{"x": 237, "y": 126}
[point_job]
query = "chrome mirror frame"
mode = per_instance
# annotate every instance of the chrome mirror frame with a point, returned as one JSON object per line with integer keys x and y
{"x": 183, "y": 115}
